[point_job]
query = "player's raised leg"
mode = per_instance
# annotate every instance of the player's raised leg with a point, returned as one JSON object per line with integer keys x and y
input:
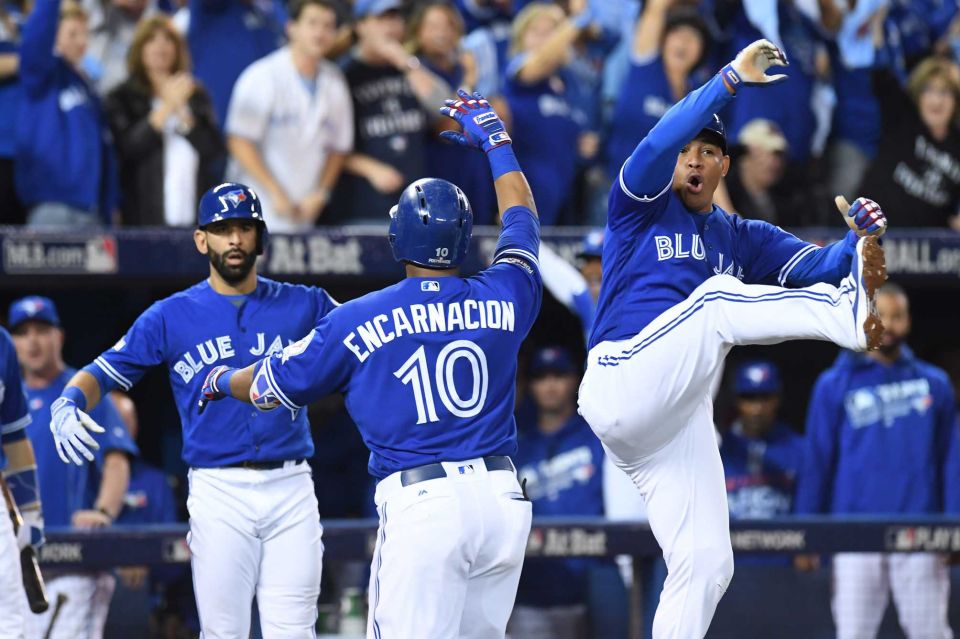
{"x": 290, "y": 565}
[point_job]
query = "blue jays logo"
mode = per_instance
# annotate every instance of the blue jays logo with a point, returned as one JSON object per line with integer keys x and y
{"x": 232, "y": 199}
{"x": 32, "y": 307}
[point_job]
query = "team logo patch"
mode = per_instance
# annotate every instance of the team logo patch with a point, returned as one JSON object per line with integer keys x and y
{"x": 297, "y": 347}
{"x": 430, "y": 286}
{"x": 32, "y": 307}
{"x": 483, "y": 118}
{"x": 516, "y": 261}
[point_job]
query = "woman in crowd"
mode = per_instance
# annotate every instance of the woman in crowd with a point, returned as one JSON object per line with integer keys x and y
{"x": 916, "y": 173}
{"x": 165, "y": 130}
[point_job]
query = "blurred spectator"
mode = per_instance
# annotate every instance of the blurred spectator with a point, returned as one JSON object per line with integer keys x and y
{"x": 113, "y": 28}
{"x": 577, "y": 289}
{"x": 546, "y": 123}
{"x": 559, "y": 462}
{"x": 755, "y": 180}
{"x": 89, "y": 496}
{"x": 667, "y": 46}
{"x": 881, "y": 431}
{"x": 394, "y": 99}
{"x": 916, "y": 174}
{"x": 65, "y": 170}
{"x": 165, "y": 131}
{"x": 434, "y": 37}
{"x": 290, "y": 123}
{"x": 227, "y": 36}
{"x": 760, "y": 453}
{"x": 11, "y": 210}
{"x": 488, "y": 38}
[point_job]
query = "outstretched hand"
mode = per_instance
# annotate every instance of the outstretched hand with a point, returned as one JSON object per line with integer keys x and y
{"x": 751, "y": 65}
{"x": 482, "y": 127}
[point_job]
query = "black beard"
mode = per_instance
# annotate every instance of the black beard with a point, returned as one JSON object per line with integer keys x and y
{"x": 893, "y": 347}
{"x": 232, "y": 274}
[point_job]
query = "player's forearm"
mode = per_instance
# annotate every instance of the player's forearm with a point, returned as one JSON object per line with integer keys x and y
{"x": 513, "y": 190}
{"x": 113, "y": 484}
{"x": 89, "y": 386}
{"x": 829, "y": 264}
{"x": 240, "y": 384}
{"x": 9, "y": 65}
{"x": 21, "y": 473}
{"x": 248, "y": 156}
{"x": 649, "y": 168}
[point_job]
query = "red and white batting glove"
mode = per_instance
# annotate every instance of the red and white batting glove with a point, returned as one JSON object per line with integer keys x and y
{"x": 868, "y": 216}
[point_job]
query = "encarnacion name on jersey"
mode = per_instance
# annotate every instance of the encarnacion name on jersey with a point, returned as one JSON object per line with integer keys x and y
{"x": 438, "y": 317}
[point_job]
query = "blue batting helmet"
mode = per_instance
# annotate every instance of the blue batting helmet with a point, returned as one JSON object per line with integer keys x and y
{"x": 432, "y": 224}
{"x": 232, "y": 201}
{"x": 592, "y": 246}
{"x": 715, "y": 132}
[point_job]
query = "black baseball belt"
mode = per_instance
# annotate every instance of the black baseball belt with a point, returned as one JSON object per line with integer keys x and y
{"x": 436, "y": 470}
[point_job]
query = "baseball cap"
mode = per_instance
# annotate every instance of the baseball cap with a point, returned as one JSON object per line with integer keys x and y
{"x": 759, "y": 377}
{"x": 364, "y": 8}
{"x": 764, "y": 134}
{"x": 592, "y": 245}
{"x": 552, "y": 359}
{"x": 35, "y": 308}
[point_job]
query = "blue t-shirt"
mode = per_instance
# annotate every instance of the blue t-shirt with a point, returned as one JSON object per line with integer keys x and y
{"x": 545, "y": 131}
{"x": 856, "y": 117}
{"x": 191, "y": 332}
{"x": 66, "y": 488}
{"x": 644, "y": 97}
{"x": 14, "y": 417}
{"x": 563, "y": 473}
{"x": 149, "y": 498}
{"x": 427, "y": 366}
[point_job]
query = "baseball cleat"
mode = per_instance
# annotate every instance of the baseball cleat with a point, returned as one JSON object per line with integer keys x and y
{"x": 869, "y": 272}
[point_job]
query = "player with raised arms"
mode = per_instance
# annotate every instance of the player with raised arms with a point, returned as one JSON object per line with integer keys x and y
{"x": 428, "y": 369}
{"x": 254, "y": 520}
{"x": 683, "y": 282}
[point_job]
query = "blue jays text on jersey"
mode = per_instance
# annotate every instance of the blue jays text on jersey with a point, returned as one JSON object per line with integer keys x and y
{"x": 66, "y": 488}
{"x": 881, "y": 439}
{"x": 14, "y": 416}
{"x": 196, "y": 329}
{"x": 656, "y": 252}
{"x": 440, "y": 354}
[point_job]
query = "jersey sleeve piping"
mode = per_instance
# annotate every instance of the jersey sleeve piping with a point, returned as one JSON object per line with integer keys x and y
{"x": 273, "y": 384}
{"x": 14, "y": 426}
{"x": 525, "y": 255}
{"x": 640, "y": 198}
{"x": 112, "y": 373}
{"x": 792, "y": 263}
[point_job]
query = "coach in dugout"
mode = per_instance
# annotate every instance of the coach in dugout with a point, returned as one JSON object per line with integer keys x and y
{"x": 882, "y": 440}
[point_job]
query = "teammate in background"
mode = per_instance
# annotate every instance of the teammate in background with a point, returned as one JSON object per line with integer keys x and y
{"x": 882, "y": 440}
{"x": 575, "y": 288}
{"x": 20, "y": 471}
{"x": 561, "y": 462}
{"x": 86, "y": 498}
{"x": 254, "y": 523}
{"x": 290, "y": 123}
{"x": 428, "y": 368}
{"x": 760, "y": 453}
{"x": 681, "y": 286}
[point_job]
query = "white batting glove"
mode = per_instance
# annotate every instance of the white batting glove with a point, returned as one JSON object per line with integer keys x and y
{"x": 751, "y": 64}
{"x": 69, "y": 426}
{"x": 31, "y": 532}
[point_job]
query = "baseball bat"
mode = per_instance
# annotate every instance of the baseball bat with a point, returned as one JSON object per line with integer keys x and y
{"x": 843, "y": 206}
{"x": 32, "y": 579}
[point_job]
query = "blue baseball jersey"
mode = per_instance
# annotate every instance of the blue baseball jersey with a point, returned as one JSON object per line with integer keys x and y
{"x": 66, "y": 488}
{"x": 193, "y": 331}
{"x": 149, "y": 498}
{"x": 563, "y": 473}
{"x": 656, "y": 252}
{"x": 761, "y": 472}
{"x": 427, "y": 366}
{"x": 14, "y": 417}
{"x": 881, "y": 439}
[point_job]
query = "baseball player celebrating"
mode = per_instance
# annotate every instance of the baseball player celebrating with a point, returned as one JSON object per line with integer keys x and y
{"x": 254, "y": 523}
{"x": 682, "y": 284}
{"x": 20, "y": 471}
{"x": 428, "y": 369}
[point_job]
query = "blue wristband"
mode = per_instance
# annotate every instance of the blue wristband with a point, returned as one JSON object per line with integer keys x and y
{"x": 222, "y": 383}
{"x": 75, "y": 395}
{"x": 502, "y": 160}
{"x": 24, "y": 487}
{"x": 731, "y": 76}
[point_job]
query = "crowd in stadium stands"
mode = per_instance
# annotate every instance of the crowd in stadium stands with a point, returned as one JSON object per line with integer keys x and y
{"x": 118, "y": 112}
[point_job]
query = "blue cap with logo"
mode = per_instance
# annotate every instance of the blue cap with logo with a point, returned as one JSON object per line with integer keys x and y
{"x": 364, "y": 8}
{"x": 592, "y": 245}
{"x": 33, "y": 308}
{"x": 552, "y": 359}
{"x": 759, "y": 377}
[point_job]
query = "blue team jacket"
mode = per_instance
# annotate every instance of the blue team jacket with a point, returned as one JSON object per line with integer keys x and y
{"x": 880, "y": 439}
{"x": 63, "y": 150}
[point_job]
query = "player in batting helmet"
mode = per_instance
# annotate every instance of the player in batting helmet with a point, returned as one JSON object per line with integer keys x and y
{"x": 232, "y": 201}
{"x": 432, "y": 224}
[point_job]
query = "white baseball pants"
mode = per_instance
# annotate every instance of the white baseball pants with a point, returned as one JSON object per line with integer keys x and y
{"x": 13, "y": 601}
{"x": 84, "y": 602}
{"x": 448, "y": 555}
{"x": 255, "y": 532}
{"x": 862, "y": 583}
{"x": 649, "y": 401}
